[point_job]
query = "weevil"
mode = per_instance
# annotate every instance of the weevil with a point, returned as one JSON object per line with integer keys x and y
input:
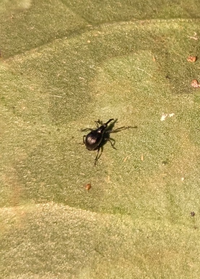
{"x": 96, "y": 138}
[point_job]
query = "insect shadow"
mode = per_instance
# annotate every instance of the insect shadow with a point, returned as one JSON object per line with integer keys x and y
{"x": 97, "y": 138}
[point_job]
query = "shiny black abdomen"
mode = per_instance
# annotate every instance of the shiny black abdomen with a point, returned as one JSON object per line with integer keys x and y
{"x": 94, "y": 139}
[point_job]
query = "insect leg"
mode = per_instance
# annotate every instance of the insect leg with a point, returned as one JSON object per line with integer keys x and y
{"x": 99, "y": 123}
{"x": 112, "y": 142}
{"x": 122, "y": 128}
{"x": 99, "y": 152}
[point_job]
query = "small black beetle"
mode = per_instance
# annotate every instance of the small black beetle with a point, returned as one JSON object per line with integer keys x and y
{"x": 98, "y": 137}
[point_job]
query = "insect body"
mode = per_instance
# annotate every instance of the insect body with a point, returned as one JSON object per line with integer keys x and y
{"x": 98, "y": 137}
{"x": 94, "y": 139}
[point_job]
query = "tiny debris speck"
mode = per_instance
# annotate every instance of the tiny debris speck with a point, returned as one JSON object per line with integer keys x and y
{"x": 192, "y": 58}
{"x": 88, "y": 186}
